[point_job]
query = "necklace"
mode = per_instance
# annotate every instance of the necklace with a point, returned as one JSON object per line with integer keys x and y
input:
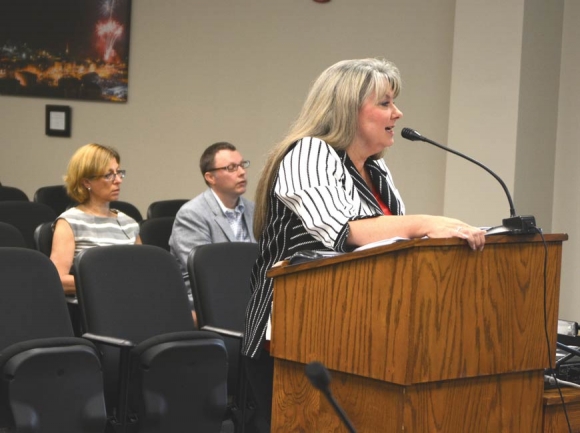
{"x": 93, "y": 212}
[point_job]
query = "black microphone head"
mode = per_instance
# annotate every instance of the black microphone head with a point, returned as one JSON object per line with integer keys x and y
{"x": 318, "y": 375}
{"x": 411, "y": 134}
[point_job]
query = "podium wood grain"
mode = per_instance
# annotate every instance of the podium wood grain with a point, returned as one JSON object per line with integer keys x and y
{"x": 554, "y": 416}
{"x": 499, "y": 403}
{"x": 423, "y": 333}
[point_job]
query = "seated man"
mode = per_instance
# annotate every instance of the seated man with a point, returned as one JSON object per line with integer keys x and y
{"x": 219, "y": 214}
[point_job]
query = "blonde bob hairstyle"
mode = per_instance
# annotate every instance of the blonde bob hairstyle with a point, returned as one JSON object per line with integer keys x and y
{"x": 87, "y": 162}
{"x": 330, "y": 113}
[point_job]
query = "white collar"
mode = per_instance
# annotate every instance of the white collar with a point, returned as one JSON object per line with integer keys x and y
{"x": 239, "y": 206}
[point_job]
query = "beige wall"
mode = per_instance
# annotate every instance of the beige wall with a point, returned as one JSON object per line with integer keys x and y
{"x": 210, "y": 70}
{"x": 484, "y": 77}
{"x": 504, "y": 108}
{"x": 566, "y": 207}
{"x": 484, "y": 108}
{"x": 538, "y": 113}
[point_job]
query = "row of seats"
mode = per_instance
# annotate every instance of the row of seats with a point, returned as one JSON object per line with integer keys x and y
{"x": 220, "y": 300}
{"x": 141, "y": 366}
{"x": 34, "y": 222}
{"x": 55, "y": 197}
{"x": 51, "y": 201}
{"x": 26, "y": 216}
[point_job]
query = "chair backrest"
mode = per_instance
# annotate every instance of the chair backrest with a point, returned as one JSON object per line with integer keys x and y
{"x": 43, "y": 238}
{"x": 220, "y": 282}
{"x": 165, "y": 208}
{"x": 131, "y": 292}
{"x": 127, "y": 208}
{"x": 156, "y": 231}
{"x": 11, "y": 193}
{"x": 26, "y": 216}
{"x": 54, "y": 196}
{"x": 33, "y": 300}
{"x": 137, "y": 293}
{"x": 139, "y": 286}
{"x": 49, "y": 377}
{"x": 10, "y": 236}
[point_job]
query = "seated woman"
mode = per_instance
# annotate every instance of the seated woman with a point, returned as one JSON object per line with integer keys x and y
{"x": 94, "y": 180}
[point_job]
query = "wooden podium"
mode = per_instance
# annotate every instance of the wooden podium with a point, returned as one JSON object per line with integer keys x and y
{"x": 419, "y": 336}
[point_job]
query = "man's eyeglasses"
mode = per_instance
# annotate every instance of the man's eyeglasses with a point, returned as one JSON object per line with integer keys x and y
{"x": 112, "y": 175}
{"x": 232, "y": 167}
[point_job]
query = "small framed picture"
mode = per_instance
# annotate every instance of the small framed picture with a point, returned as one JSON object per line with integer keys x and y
{"x": 58, "y": 120}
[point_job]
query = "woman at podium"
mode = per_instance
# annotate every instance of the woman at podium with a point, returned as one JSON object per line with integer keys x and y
{"x": 325, "y": 186}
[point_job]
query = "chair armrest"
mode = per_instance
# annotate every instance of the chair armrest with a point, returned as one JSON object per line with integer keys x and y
{"x": 124, "y": 371}
{"x": 110, "y": 341}
{"x": 223, "y": 331}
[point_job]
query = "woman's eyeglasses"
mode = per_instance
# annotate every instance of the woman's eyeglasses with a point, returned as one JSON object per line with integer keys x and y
{"x": 112, "y": 175}
{"x": 232, "y": 167}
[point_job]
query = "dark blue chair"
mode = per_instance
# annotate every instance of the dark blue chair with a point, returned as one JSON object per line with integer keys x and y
{"x": 50, "y": 381}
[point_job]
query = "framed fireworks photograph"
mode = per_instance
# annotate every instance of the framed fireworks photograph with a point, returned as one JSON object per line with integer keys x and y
{"x": 71, "y": 49}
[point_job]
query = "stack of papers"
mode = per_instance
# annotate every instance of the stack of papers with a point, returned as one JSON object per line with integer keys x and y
{"x": 381, "y": 243}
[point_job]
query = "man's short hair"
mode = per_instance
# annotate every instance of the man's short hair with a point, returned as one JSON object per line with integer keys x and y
{"x": 206, "y": 162}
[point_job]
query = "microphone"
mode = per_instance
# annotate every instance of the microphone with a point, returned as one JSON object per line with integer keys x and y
{"x": 320, "y": 378}
{"x": 515, "y": 224}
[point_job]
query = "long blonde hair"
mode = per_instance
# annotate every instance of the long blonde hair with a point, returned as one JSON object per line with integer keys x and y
{"x": 330, "y": 113}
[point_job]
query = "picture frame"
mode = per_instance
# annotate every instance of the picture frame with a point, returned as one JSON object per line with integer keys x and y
{"x": 66, "y": 49}
{"x": 58, "y": 120}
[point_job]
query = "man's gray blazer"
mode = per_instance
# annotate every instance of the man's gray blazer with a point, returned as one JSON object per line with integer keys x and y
{"x": 201, "y": 221}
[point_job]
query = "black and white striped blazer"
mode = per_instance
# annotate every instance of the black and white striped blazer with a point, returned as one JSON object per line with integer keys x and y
{"x": 317, "y": 192}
